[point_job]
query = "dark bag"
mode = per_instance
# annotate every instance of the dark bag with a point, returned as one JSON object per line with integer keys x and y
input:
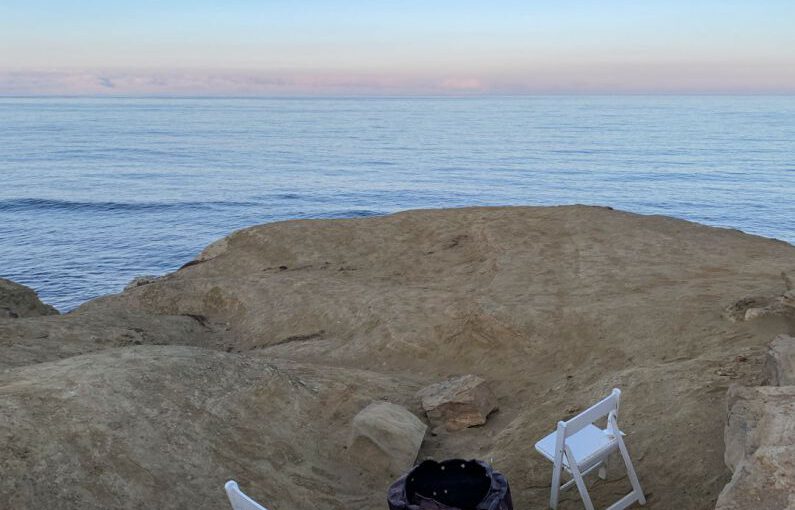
{"x": 451, "y": 485}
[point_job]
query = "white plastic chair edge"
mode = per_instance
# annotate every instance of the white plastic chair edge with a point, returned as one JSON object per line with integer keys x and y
{"x": 233, "y": 492}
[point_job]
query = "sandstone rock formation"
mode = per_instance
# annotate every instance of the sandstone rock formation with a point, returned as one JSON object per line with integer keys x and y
{"x": 166, "y": 424}
{"x": 760, "y": 449}
{"x": 754, "y": 307}
{"x": 760, "y": 436}
{"x": 458, "y": 403}
{"x": 780, "y": 362}
{"x": 19, "y": 301}
{"x": 252, "y": 361}
{"x": 788, "y": 299}
{"x": 386, "y": 435}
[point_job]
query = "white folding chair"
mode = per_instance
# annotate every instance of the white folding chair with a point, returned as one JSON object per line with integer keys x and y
{"x": 239, "y": 500}
{"x": 579, "y": 447}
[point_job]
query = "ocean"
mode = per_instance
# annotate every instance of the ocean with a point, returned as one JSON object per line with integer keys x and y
{"x": 97, "y": 191}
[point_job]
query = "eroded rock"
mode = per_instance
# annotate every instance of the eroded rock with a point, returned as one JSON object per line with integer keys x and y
{"x": 751, "y": 308}
{"x": 755, "y": 307}
{"x": 789, "y": 298}
{"x": 17, "y": 300}
{"x": 760, "y": 449}
{"x": 780, "y": 362}
{"x": 458, "y": 403}
{"x": 386, "y": 437}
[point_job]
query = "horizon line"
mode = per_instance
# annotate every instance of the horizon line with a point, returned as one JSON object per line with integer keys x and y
{"x": 459, "y": 95}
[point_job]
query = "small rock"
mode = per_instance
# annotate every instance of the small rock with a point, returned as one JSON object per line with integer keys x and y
{"x": 386, "y": 437}
{"x": 755, "y": 313}
{"x": 730, "y": 372}
{"x": 458, "y": 403}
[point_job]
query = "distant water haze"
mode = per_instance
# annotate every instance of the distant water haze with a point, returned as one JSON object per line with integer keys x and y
{"x": 411, "y": 47}
{"x": 97, "y": 191}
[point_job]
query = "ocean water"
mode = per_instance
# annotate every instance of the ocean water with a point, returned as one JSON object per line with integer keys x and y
{"x": 94, "y": 192}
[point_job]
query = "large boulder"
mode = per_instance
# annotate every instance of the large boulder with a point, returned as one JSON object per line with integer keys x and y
{"x": 780, "y": 362}
{"x": 458, "y": 403}
{"x": 760, "y": 449}
{"x": 16, "y": 301}
{"x": 385, "y": 438}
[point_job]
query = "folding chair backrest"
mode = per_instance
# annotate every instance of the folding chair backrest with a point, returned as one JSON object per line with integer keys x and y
{"x": 593, "y": 413}
{"x": 239, "y": 500}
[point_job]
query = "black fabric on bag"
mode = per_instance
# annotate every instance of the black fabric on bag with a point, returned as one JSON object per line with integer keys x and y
{"x": 456, "y": 484}
{"x": 451, "y": 485}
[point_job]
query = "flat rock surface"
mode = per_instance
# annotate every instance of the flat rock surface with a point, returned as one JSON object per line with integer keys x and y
{"x": 553, "y": 306}
{"x": 171, "y": 424}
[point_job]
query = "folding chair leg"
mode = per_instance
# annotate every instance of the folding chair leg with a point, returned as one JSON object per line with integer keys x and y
{"x": 558, "y": 465}
{"x": 555, "y": 493}
{"x": 603, "y": 469}
{"x": 575, "y": 472}
{"x": 586, "y": 498}
{"x": 633, "y": 477}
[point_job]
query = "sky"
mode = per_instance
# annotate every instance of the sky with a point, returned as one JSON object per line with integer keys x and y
{"x": 407, "y": 47}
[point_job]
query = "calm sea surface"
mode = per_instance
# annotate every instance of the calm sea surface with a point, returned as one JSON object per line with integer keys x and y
{"x": 94, "y": 192}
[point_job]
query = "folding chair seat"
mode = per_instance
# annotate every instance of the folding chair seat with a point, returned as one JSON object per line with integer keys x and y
{"x": 578, "y": 447}
{"x": 589, "y": 445}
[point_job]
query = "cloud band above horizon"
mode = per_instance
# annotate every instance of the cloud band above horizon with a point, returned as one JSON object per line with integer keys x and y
{"x": 408, "y": 48}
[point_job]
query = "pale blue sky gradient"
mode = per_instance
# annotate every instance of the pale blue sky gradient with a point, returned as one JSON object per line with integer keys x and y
{"x": 240, "y": 47}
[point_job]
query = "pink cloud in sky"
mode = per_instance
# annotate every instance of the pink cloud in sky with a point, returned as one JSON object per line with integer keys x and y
{"x": 225, "y": 83}
{"x": 575, "y": 78}
{"x": 463, "y": 85}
